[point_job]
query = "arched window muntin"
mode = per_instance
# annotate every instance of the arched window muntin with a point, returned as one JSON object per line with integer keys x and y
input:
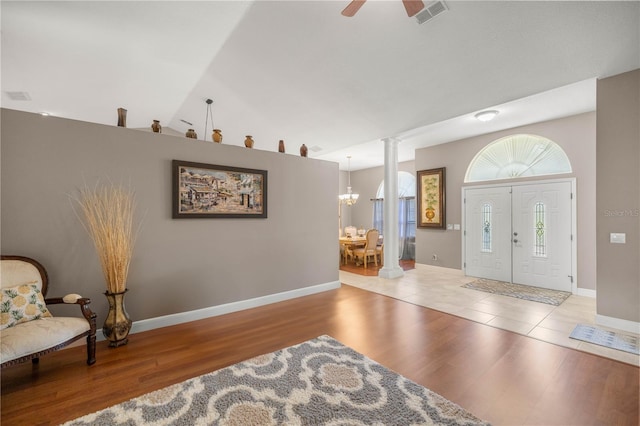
{"x": 515, "y": 156}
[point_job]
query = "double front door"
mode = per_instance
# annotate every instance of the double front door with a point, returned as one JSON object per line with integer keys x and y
{"x": 520, "y": 234}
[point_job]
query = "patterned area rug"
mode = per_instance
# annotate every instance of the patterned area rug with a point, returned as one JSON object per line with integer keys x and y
{"x": 609, "y": 339}
{"x": 318, "y": 382}
{"x": 534, "y": 294}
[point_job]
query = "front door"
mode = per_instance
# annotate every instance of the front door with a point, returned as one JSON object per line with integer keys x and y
{"x": 520, "y": 234}
{"x": 542, "y": 235}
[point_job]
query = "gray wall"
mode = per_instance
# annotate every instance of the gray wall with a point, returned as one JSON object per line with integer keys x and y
{"x": 618, "y": 195}
{"x": 178, "y": 264}
{"x": 576, "y": 135}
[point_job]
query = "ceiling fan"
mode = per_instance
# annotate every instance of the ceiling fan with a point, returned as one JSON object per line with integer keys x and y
{"x": 412, "y": 7}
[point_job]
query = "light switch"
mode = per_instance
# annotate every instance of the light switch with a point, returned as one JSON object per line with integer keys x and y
{"x": 449, "y": 226}
{"x": 617, "y": 238}
{"x": 456, "y": 226}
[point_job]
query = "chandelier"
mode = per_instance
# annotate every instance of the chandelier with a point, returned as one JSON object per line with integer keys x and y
{"x": 349, "y": 198}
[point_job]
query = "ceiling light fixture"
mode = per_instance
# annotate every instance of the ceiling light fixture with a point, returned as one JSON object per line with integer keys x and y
{"x": 349, "y": 198}
{"x": 44, "y": 114}
{"x": 487, "y": 115}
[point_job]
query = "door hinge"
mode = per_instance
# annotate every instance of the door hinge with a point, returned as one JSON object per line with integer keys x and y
{"x": 571, "y": 195}
{"x": 464, "y": 264}
{"x": 571, "y": 278}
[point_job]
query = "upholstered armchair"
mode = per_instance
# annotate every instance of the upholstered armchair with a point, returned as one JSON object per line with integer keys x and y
{"x": 27, "y": 328}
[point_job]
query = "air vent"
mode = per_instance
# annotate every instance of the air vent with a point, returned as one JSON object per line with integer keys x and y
{"x": 18, "y": 96}
{"x": 431, "y": 11}
{"x": 186, "y": 122}
{"x": 316, "y": 148}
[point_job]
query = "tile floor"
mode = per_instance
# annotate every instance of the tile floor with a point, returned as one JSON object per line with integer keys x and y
{"x": 441, "y": 289}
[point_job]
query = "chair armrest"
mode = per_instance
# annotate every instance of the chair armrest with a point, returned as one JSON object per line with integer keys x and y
{"x": 84, "y": 302}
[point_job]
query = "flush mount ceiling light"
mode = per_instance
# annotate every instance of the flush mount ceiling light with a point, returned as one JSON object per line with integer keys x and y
{"x": 486, "y": 115}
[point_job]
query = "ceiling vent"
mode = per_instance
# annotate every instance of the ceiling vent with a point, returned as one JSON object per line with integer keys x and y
{"x": 18, "y": 96}
{"x": 431, "y": 11}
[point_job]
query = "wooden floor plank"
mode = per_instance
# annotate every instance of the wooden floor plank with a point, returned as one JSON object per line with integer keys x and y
{"x": 500, "y": 376}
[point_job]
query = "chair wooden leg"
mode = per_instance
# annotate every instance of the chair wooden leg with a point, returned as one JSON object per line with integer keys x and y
{"x": 35, "y": 360}
{"x": 91, "y": 349}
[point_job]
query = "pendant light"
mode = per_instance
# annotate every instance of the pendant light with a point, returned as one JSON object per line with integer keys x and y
{"x": 349, "y": 198}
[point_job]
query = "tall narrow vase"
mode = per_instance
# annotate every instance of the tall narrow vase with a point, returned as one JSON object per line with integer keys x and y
{"x": 117, "y": 324}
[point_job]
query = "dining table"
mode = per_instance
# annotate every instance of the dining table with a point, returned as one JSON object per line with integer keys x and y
{"x": 350, "y": 242}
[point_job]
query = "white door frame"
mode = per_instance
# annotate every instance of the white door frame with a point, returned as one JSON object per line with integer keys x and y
{"x": 574, "y": 214}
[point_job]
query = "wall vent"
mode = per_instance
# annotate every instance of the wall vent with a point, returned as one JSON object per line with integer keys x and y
{"x": 431, "y": 11}
{"x": 18, "y": 96}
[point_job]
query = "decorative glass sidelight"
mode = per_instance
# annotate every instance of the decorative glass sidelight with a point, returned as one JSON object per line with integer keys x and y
{"x": 539, "y": 228}
{"x": 486, "y": 228}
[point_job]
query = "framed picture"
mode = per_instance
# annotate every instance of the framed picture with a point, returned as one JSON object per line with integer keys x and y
{"x": 212, "y": 191}
{"x": 431, "y": 202}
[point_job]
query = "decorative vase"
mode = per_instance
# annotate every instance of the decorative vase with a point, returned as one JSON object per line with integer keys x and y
{"x": 281, "y": 146}
{"x": 430, "y": 213}
{"x": 156, "y": 127}
{"x": 191, "y": 134}
{"x": 303, "y": 150}
{"x": 248, "y": 142}
{"x": 117, "y": 324}
{"x": 217, "y": 136}
{"x": 122, "y": 117}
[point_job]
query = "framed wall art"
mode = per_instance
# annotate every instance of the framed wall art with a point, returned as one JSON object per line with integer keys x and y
{"x": 212, "y": 191}
{"x": 431, "y": 198}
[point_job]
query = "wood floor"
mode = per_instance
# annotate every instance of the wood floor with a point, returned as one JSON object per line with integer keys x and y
{"x": 503, "y": 377}
{"x": 372, "y": 270}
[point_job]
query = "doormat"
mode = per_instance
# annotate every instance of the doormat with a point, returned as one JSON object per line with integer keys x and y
{"x": 606, "y": 338}
{"x": 525, "y": 292}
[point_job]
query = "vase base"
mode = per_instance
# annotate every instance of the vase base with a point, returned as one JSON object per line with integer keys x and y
{"x": 118, "y": 343}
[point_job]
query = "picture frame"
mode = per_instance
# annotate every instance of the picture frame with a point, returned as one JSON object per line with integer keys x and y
{"x": 431, "y": 210}
{"x": 214, "y": 191}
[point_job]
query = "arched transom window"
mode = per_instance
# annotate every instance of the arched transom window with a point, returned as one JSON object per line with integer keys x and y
{"x": 518, "y": 156}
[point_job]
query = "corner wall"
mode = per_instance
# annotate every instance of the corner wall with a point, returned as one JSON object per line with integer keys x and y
{"x": 178, "y": 265}
{"x": 618, "y": 196}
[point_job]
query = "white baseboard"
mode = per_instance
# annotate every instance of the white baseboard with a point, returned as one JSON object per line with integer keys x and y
{"x": 227, "y": 308}
{"x": 620, "y": 324}
{"x": 587, "y": 292}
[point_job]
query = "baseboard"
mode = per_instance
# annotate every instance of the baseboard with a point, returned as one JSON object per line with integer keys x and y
{"x": 227, "y": 308}
{"x": 587, "y": 292}
{"x": 620, "y": 324}
{"x": 442, "y": 268}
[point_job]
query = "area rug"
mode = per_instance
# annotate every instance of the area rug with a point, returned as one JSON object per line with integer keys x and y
{"x": 609, "y": 339}
{"x": 318, "y": 382}
{"x": 525, "y": 292}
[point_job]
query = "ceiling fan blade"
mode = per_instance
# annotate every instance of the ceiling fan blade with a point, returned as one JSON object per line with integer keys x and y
{"x": 413, "y": 6}
{"x": 353, "y": 7}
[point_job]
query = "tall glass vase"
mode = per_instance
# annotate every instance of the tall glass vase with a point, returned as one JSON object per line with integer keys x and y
{"x": 117, "y": 324}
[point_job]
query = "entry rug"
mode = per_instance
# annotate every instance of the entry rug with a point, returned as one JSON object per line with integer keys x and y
{"x": 525, "y": 292}
{"x": 609, "y": 339}
{"x": 318, "y": 382}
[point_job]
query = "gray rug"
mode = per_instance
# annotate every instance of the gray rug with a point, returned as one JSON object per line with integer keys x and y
{"x": 609, "y": 339}
{"x": 317, "y": 382}
{"x": 525, "y": 292}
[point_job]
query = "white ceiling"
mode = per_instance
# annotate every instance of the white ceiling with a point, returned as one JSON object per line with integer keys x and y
{"x": 302, "y": 72}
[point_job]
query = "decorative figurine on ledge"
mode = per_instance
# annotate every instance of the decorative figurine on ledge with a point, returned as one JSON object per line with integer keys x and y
{"x": 217, "y": 136}
{"x": 281, "y": 146}
{"x": 303, "y": 150}
{"x": 191, "y": 134}
{"x": 248, "y": 142}
{"x": 156, "y": 127}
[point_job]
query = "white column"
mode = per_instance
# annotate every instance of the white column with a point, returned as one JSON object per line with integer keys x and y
{"x": 391, "y": 268}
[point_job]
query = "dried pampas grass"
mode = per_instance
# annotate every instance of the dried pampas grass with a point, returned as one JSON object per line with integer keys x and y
{"x": 107, "y": 211}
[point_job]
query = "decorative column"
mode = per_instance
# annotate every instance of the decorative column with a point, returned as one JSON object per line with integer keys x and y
{"x": 391, "y": 268}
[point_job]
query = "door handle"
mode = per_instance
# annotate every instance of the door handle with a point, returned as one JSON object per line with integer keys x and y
{"x": 515, "y": 241}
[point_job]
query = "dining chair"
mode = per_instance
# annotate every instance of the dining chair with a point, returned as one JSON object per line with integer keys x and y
{"x": 369, "y": 248}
